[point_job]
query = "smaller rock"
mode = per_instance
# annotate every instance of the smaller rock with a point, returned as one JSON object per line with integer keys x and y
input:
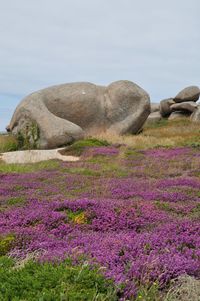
{"x": 178, "y": 115}
{"x": 155, "y": 107}
{"x": 33, "y": 156}
{"x": 189, "y": 106}
{"x": 191, "y": 93}
{"x": 165, "y": 106}
{"x": 196, "y": 115}
{"x": 153, "y": 118}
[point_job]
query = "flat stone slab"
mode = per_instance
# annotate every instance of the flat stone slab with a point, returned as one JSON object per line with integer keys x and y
{"x": 185, "y": 106}
{"x": 34, "y": 156}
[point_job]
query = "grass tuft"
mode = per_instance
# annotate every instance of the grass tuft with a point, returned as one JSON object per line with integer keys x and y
{"x": 26, "y": 168}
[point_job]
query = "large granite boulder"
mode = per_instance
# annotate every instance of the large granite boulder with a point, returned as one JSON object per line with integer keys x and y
{"x": 64, "y": 113}
{"x": 191, "y": 93}
{"x": 165, "y": 107}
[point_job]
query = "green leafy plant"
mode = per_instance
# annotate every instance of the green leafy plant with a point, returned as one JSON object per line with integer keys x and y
{"x": 53, "y": 282}
{"x": 28, "y": 138}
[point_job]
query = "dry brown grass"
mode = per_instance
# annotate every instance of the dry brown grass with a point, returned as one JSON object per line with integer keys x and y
{"x": 182, "y": 132}
{"x": 171, "y": 133}
{"x": 186, "y": 288}
{"x": 7, "y": 143}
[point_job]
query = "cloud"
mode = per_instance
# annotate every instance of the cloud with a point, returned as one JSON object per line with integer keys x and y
{"x": 154, "y": 43}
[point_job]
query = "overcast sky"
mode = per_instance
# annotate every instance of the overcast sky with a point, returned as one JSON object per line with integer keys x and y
{"x": 154, "y": 43}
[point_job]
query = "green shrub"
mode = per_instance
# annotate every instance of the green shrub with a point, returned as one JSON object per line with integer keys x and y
{"x": 28, "y": 138}
{"x": 194, "y": 144}
{"x": 53, "y": 282}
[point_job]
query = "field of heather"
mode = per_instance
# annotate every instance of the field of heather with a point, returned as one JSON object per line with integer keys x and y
{"x": 120, "y": 224}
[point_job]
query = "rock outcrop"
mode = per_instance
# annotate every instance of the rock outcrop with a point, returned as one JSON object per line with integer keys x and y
{"x": 61, "y": 114}
{"x": 181, "y": 106}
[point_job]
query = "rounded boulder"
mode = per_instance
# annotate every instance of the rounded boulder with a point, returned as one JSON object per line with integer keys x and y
{"x": 190, "y": 93}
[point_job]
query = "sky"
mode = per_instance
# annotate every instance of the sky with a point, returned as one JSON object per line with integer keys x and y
{"x": 155, "y": 44}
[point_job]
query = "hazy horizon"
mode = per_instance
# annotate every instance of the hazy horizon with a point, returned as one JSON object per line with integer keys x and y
{"x": 154, "y": 44}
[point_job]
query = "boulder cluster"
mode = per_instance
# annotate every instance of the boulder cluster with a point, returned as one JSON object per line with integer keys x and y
{"x": 61, "y": 114}
{"x": 184, "y": 104}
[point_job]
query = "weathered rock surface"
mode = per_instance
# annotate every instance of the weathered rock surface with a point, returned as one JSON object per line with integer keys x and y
{"x": 178, "y": 115}
{"x": 196, "y": 115}
{"x": 62, "y": 114}
{"x": 33, "y": 156}
{"x": 191, "y": 93}
{"x": 189, "y": 106}
{"x": 155, "y": 107}
{"x": 165, "y": 106}
{"x": 153, "y": 118}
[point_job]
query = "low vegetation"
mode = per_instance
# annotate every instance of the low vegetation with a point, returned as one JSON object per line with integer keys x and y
{"x": 166, "y": 133}
{"x": 26, "y": 168}
{"x": 122, "y": 223}
{"x": 48, "y": 282}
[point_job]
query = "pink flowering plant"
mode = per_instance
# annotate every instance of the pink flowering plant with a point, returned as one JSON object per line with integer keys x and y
{"x": 134, "y": 215}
